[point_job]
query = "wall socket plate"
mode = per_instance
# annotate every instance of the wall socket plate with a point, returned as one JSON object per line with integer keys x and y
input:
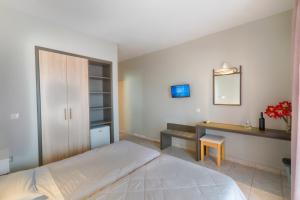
{"x": 14, "y": 116}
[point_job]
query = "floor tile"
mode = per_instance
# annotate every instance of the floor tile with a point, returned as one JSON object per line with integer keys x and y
{"x": 268, "y": 182}
{"x": 243, "y": 174}
{"x": 259, "y": 194}
{"x": 225, "y": 167}
{"x": 246, "y": 189}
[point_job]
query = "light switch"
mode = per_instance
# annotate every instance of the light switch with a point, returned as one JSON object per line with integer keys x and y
{"x": 198, "y": 110}
{"x": 14, "y": 116}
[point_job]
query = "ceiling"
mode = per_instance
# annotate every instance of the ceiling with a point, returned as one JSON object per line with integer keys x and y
{"x": 144, "y": 26}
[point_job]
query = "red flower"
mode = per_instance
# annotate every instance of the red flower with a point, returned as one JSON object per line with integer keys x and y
{"x": 286, "y": 108}
{"x": 281, "y": 110}
{"x": 271, "y": 112}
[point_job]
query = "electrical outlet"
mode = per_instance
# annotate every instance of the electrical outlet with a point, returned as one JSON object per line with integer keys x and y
{"x": 14, "y": 116}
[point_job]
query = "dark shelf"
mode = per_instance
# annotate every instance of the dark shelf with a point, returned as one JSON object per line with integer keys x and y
{"x": 99, "y": 77}
{"x": 99, "y": 92}
{"x": 94, "y": 124}
{"x": 100, "y": 107}
{"x": 253, "y": 131}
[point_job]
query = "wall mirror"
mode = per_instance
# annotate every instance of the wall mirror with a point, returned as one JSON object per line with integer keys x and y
{"x": 227, "y": 85}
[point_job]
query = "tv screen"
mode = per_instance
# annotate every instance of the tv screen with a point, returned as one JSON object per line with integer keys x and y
{"x": 180, "y": 91}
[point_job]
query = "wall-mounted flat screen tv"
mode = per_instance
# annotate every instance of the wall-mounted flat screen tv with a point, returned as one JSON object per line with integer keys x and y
{"x": 180, "y": 91}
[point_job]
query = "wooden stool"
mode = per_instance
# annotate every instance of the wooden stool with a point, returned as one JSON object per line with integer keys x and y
{"x": 213, "y": 141}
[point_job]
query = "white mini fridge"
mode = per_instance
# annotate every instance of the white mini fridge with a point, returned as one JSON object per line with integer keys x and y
{"x": 99, "y": 136}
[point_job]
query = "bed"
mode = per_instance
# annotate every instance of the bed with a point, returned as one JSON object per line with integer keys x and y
{"x": 124, "y": 171}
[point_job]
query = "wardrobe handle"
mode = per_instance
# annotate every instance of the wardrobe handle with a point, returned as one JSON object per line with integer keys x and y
{"x": 70, "y": 113}
{"x": 65, "y": 113}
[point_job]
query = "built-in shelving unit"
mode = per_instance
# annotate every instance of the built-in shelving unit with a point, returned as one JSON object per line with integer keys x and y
{"x": 99, "y": 108}
{"x": 99, "y": 77}
{"x": 100, "y": 92}
{"x": 99, "y": 123}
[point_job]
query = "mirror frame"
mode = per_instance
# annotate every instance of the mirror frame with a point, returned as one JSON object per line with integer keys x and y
{"x": 214, "y": 75}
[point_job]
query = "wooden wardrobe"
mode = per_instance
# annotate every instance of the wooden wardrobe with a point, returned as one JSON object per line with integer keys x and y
{"x": 64, "y": 105}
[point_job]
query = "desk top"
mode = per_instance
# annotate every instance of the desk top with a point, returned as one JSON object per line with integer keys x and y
{"x": 254, "y": 131}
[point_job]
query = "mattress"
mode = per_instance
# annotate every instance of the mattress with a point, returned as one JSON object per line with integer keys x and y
{"x": 124, "y": 171}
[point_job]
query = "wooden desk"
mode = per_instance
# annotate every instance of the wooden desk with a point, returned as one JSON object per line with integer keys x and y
{"x": 180, "y": 131}
{"x": 268, "y": 133}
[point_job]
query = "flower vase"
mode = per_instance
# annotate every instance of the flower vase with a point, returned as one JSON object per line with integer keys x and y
{"x": 288, "y": 121}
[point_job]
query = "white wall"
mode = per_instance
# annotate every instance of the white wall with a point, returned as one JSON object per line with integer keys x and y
{"x": 18, "y": 36}
{"x": 261, "y": 47}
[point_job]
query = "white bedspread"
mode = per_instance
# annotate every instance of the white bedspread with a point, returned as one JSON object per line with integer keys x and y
{"x": 121, "y": 171}
{"x": 170, "y": 178}
{"x": 80, "y": 176}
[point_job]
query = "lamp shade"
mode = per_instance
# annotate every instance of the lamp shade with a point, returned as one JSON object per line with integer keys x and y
{"x": 226, "y": 69}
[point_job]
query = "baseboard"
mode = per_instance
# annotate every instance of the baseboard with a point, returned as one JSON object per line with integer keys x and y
{"x": 230, "y": 158}
{"x": 140, "y": 136}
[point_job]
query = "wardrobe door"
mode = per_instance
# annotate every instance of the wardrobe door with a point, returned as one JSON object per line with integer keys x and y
{"x": 78, "y": 104}
{"x": 53, "y": 90}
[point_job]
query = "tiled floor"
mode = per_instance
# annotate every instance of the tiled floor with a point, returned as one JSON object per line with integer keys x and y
{"x": 256, "y": 184}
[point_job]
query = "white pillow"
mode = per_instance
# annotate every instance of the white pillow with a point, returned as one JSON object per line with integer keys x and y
{"x": 19, "y": 185}
{"x": 29, "y": 196}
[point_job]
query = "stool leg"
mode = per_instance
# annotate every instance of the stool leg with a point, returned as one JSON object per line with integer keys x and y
{"x": 207, "y": 151}
{"x": 223, "y": 152}
{"x": 219, "y": 155}
{"x": 202, "y": 150}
